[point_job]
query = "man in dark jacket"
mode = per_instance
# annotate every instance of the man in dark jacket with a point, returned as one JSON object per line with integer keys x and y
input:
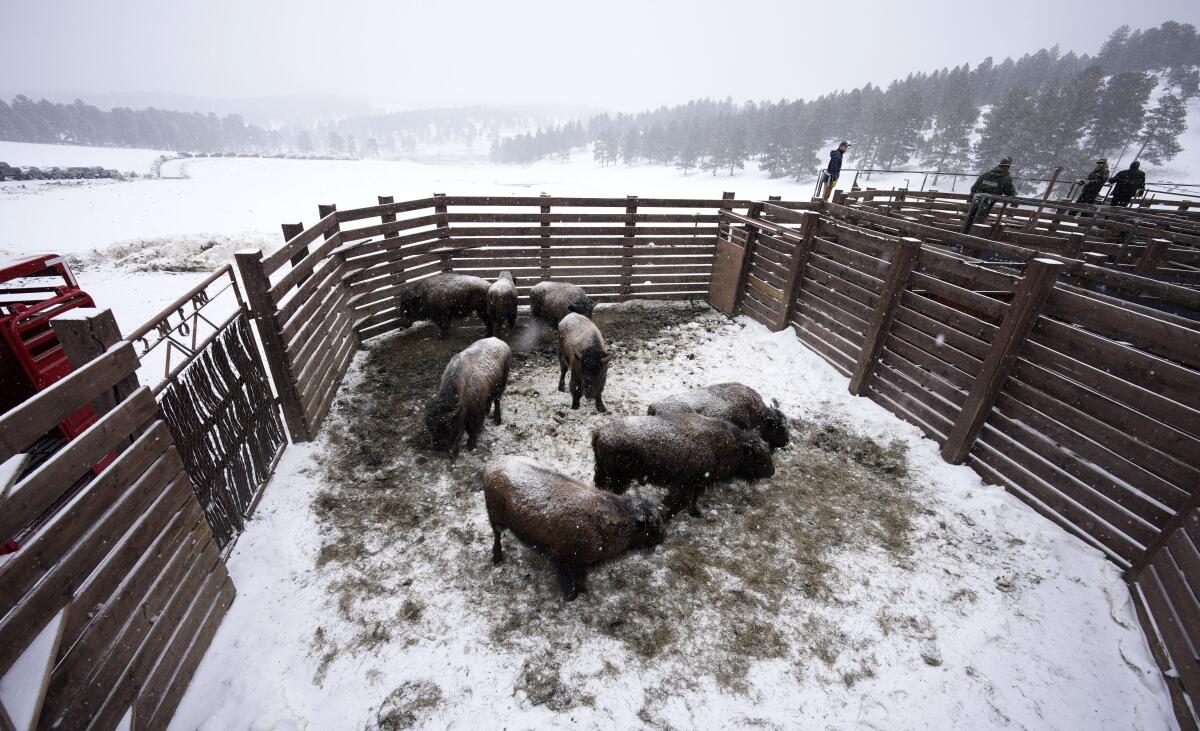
{"x": 834, "y": 170}
{"x": 1127, "y": 184}
{"x": 1094, "y": 182}
{"x": 996, "y": 181}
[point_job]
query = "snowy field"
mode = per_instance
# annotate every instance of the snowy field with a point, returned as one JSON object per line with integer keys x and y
{"x": 867, "y": 584}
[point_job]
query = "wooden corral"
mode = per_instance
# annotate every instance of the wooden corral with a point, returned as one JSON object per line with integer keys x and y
{"x": 1057, "y": 355}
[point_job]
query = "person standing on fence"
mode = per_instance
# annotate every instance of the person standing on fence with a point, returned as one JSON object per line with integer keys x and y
{"x": 1093, "y": 182}
{"x": 1128, "y": 184}
{"x": 830, "y": 176}
{"x": 997, "y": 181}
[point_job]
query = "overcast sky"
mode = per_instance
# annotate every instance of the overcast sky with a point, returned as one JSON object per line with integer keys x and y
{"x": 620, "y": 55}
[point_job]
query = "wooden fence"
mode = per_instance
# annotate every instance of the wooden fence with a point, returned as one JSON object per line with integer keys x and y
{"x": 106, "y": 611}
{"x": 332, "y": 286}
{"x": 1083, "y": 406}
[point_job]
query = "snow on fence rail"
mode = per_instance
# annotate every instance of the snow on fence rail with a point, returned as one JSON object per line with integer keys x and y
{"x": 1083, "y": 406}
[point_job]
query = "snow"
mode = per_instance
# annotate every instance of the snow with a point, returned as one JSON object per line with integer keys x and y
{"x": 1013, "y": 621}
{"x": 21, "y": 688}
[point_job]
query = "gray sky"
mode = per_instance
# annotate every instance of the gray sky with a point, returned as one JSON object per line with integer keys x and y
{"x": 620, "y": 55}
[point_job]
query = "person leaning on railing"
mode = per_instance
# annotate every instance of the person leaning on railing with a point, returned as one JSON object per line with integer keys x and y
{"x": 831, "y": 173}
{"x": 997, "y": 181}
{"x": 1128, "y": 184}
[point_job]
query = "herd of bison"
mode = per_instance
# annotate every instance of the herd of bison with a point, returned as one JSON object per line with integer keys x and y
{"x": 685, "y": 442}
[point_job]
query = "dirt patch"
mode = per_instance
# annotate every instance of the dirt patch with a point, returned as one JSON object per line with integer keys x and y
{"x": 407, "y": 706}
{"x": 404, "y": 525}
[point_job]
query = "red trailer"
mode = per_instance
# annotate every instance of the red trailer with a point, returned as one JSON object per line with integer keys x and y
{"x": 33, "y": 291}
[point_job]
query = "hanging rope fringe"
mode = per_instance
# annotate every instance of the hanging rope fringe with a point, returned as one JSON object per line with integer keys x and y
{"x": 223, "y": 419}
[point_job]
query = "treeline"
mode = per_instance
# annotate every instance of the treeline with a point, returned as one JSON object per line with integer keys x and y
{"x": 408, "y": 131}
{"x": 1046, "y": 109}
{"x": 81, "y": 124}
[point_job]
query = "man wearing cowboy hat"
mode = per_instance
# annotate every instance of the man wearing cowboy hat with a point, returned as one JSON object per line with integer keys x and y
{"x": 1094, "y": 182}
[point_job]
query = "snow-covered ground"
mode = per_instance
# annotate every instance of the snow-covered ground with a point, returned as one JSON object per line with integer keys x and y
{"x": 124, "y": 159}
{"x": 367, "y": 598}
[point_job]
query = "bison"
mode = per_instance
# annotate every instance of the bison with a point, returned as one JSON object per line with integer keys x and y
{"x": 732, "y": 402}
{"x": 474, "y": 379}
{"x": 684, "y": 453}
{"x": 582, "y": 350}
{"x": 444, "y": 297}
{"x": 502, "y": 301}
{"x": 551, "y": 301}
{"x": 568, "y": 521}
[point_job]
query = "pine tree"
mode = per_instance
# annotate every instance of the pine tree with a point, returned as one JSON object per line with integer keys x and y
{"x": 1120, "y": 111}
{"x": 950, "y": 143}
{"x": 1160, "y": 137}
{"x": 371, "y": 147}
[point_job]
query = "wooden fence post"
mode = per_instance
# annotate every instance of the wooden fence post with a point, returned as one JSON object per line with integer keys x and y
{"x": 1030, "y": 296}
{"x": 439, "y": 210}
{"x": 544, "y": 259}
{"x": 800, "y": 255}
{"x": 627, "y": 247}
{"x": 258, "y": 296}
{"x": 291, "y": 231}
{"x": 723, "y": 227}
{"x": 386, "y": 218}
{"x": 85, "y": 334}
{"x": 885, "y": 312}
{"x": 1155, "y": 250}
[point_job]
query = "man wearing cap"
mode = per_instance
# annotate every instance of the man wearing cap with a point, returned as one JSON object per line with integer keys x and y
{"x": 1094, "y": 182}
{"x": 996, "y": 181}
{"x": 835, "y": 169}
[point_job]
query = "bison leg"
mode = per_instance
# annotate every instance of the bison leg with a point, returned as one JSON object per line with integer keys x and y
{"x": 497, "y": 551}
{"x": 443, "y": 325}
{"x": 562, "y": 370}
{"x": 674, "y": 500}
{"x": 496, "y": 412}
{"x": 576, "y": 391}
{"x": 572, "y": 580}
{"x": 692, "y": 509}
{"x": 487, "y": 322}
{"x": 600, "y": 407}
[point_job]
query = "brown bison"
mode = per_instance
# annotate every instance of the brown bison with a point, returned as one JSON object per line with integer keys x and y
{"x": 582, "y": 350}
{"x": 568, "y": 521}
{"x": 446, "y": 296}
{"x": 684, "y": 453}
{"x": 474, "y": 379}
{"x": 502, "y": 301}
{"x": 732, "y": 402}
{"x": 551, "y": 301}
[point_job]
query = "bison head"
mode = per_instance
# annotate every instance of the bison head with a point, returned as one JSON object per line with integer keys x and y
{"x": 754, "y": 456}
{"x": 583, "y": 306}
{"x": 594, "y": 370}
{"x": 774, "y": 427}
{"x": 443, "y": 419}
{"x": 648, "y": 524}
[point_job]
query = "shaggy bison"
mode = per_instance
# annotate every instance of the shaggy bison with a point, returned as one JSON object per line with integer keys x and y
{"x": 582, "y": 350}
{"x": 684, "y": 453}
{"x": 732, "y": 402}
{"x": 444, "y": 297}
{"x": 474, "y": 379}
{"x": 569, "y": 522}
{"x": 502, "y": 301}
{"x": 551, "y": 301}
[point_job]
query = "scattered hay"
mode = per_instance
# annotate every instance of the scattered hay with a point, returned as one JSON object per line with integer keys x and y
{"x": 407, "y": 706}
{"x": 721, "y": 594}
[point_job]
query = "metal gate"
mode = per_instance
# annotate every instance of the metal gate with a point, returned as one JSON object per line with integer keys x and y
{"x": 216, "y": 400}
